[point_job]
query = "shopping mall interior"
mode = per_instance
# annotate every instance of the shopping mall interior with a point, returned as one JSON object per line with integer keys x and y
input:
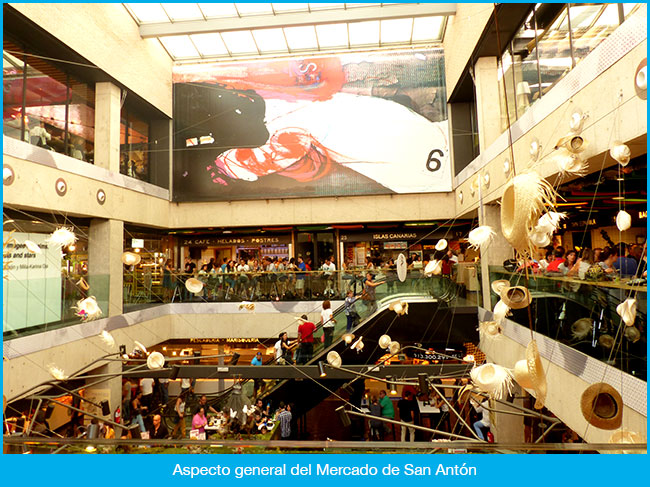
{"x": 489, "y": 299}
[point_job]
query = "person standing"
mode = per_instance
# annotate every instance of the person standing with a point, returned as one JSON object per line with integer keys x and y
{"x": 179, "y": 417}
{"x": 369, "y": 292}
{"x": 306, "y": 340}
{"x": 257, "y": 383}
{"x": 257, "y": 359}
{"x": 146, "y": 385}
{"x": 407, "y": 409}
{"x": 328, "y": 322}
{"x": 387, "y": 409}
{"x": 284, "y": 417}
{"x": 350, "y": 313}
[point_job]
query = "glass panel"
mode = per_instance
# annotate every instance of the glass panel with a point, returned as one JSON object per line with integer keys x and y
{"x": 45, "y": 105}
{"x": 332, "y": 35}
{"x": 183, "y": 11}
{"x": 270, "y": 40}
{"x": 524, "y": 57}
{"x": 12, "y": 95}
{"x": 630, "y": 8}
{"x": 240, "y": 42}
{"x": 301, "y": 37}
{"x": 148, "y": 12}
{"x": 254, "y": 8}
{"x": 179, "y": 46}
{"x": 364, "y": 33}
{"x": 591, "y": 25}
{"x": 396, "y": 30}
{"x": 209, "y": 44}
{"x": 81, "y": 121}
{"x": 290, "y": 7}
{"x": 427, "y": 28}
{"x": 554, "y": 52}
{"x": 212, "y": 10}
{"x": 134, "y": 146}
{"x": 505, "y": 76}
{"x": 326, "y": 6}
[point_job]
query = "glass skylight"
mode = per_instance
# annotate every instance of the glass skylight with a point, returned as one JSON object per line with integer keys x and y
{"x": 182, "y": 11}
{"x": 396, "y": 30}
{"x": 301, "y": 37}
{"x": 332, "y": 35}
{"x": 209, "y": 44}
{"x": 270, "y": 40}
{"x": 240, "y": 42}
{"x": 179, "y": 46}
{"x": 364, "y": 33}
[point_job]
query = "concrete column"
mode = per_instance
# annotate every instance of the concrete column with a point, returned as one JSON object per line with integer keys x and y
{"x": 508, "y": 428}
{"x": 109, "y": 390}
{"x": 105, "y": 270}
{"x": 494, "y": 254}
{"x": 487, "y": 101}
{"x": 107, "y": 126}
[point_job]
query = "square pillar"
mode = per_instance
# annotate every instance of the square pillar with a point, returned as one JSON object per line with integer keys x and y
{"x": 107, "y": 126}
{"x": 488, "y": 108}
{"x": 105, "y": 269}
{"x": 495, "y": 253}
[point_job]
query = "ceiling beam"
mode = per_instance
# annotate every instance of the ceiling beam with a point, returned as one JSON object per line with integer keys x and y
{"x": 296, "y": 19}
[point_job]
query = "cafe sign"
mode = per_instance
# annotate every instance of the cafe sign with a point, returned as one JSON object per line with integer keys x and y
{"x": 215, "y": 241}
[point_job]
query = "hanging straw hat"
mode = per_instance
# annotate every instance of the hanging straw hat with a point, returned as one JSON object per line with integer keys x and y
{"x": 107, "y": 338}
{"x": 131, "y": 258}
{"x": 358, "y": 345}
{"x": 581, "y": 328}
{"x": 247, "y": 305}
{"x": 549, "y": 221}
{"x": 62, "y": 237}
{"x": 155, "y": 361}
{"x": 517, "y": 297}
{"x": 489, "y": 330}
{"x": 334, "y": 359}
{"x": 400, "y": 307}
{"x": 572, "y": 143}
{"x": 482, "y": 235}
{"x": 529, "y": 373}
{"x": 402, "y": 268}
{"x": 501, "y": 310}
{"x": 499, "y": 285}
{"x": 632, "y": 333}
{"x": 384, "y": 342}
{"x": 606, "y": 341}
{"x": 441, "y": 244}
{"x": 434, "y": 267}
{"x": 627, "y": 311}
{"x": 525, "y": 198}
{"x": 83, "y": 284}
{"x": 493, "y": 379}
{"x": 540, "y": 239}
{"x": 602, "y": 406}
{"x": 347, "y": 338}
{"x": 623, "y": 220}
{"x": 193, "y": 285}
{"x": 620, "y": 153}
{"x": 32, "y": 247}
{"x": 570, "y": 163}
{"x": 626, "y": 437}
{"x": 394, "y": 348}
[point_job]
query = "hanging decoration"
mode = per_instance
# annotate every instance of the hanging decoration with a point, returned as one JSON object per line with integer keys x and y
{"x": 62, "y": 237}
{"x": 155, "y": 361}
{"x": 623, "y": 220}
{"x": 32, "y": 247}
{"x": 500, "y": 311}
{"x": 529, "y": 374}
{"x": 493, "y": 379}
{"x": 87, "y": 309}
{"x": 627, "y": 311}
{"x": 107, "y": 338}
{"x": 480, "y": 236}
{"x": 334, "y": 359}
{"x": 621, "y": 153}
{"x": 56, "y": 372}
{"x": 247, "y": 305}
{"x": 131, "y": 258}
{"x": 401, "y": 308}
{"x": 489, "y": 330}
{"x": 581, "y": 328}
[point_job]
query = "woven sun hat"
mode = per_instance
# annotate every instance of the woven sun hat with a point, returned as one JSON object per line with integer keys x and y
{"x": 623, "y": 220}
{"x": 602, "y": 406}
{"x": 62, "y": 237}
{"x": 433, "y": 268}
{"x": 581, "y": 328}
{"x": 501, "y": 310}
{"x": 493, "y": 379}
{"x": 489, "y": 330}
{"x": 155, "y": 361}
{"x": 384, "y": 341}
{"x": 606, "y": 341}
{"x": 482, "y": 235}
{"x": 521, "y": 374}
{"x": 131, "y": 258}
{"x": 549, "y": 221}
{"x": 626, "y": 437}
{"x": 572, "y": 143}
{"x": 627, "y": 311}
{"x": 32, "y": 247}
{"x": 347, "y": 338}
{"x": 517, "y": 297}
{"x": 499, "y": 285}
{"x": 402, "y": 267}
{"x": 394, "y": 348}
{"x": 400, "y": 307}
{"x": 525, "y": 198}
{"x": 193, "y": 285}
{"x": 533, "y": 375}
{"x": 441, "y": 244}
{"x": 334, "y": 359}
{"x": 140, "y": 346}
{"x": 632, "y": 333}
{"x": 620, "y": 153}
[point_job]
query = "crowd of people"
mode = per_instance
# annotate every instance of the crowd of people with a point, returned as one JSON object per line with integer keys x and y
{"x": 606, "y": 263}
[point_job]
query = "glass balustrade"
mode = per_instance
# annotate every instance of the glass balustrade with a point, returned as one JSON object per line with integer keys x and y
{"x": 582, "y": 314}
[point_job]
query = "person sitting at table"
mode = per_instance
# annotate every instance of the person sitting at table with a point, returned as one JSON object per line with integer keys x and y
{"x": 199, "y": 421}
{"x": 203, "y": 403}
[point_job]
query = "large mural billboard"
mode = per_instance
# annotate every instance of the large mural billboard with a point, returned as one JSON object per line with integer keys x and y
{"x": 353, "y": 124}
